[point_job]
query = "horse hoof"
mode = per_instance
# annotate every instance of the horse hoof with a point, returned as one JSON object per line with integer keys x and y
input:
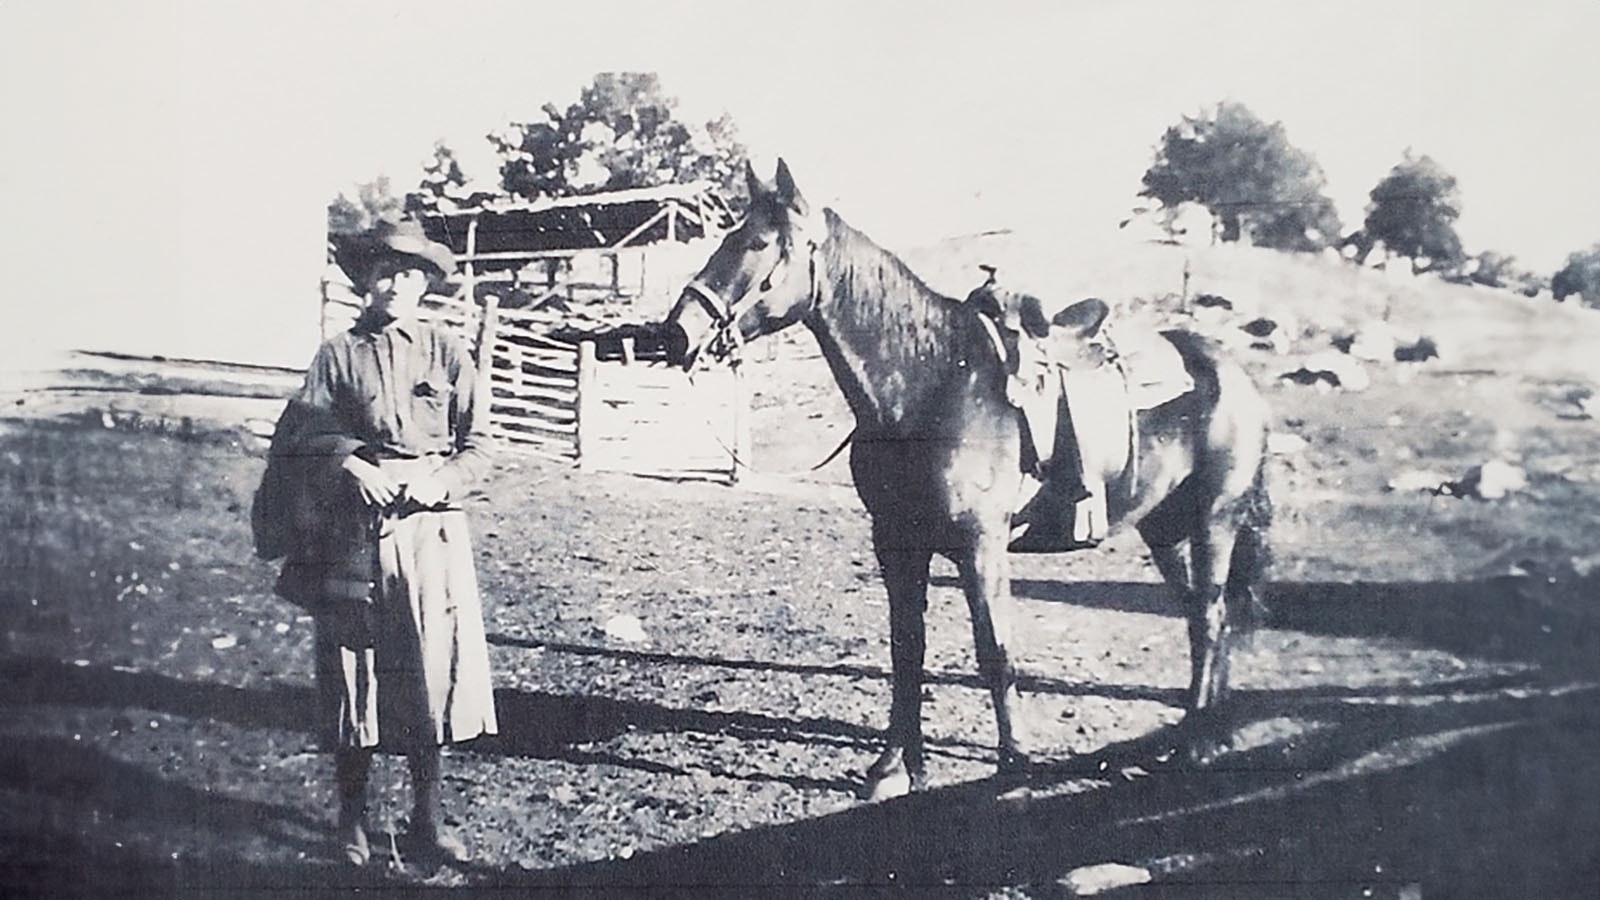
{"x": 887, "y": 787}
{"x": 1205, "y": 751}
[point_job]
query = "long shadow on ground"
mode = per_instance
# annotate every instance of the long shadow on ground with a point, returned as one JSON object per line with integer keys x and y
{"x": 1482, "y": 787}
{"x": 1031, "y": 682}
{"x": 80, "y": 822}
{"x": 1551, "y": 622}
{"x": 32, "y": 680}
{"x": 1496, "y": 799}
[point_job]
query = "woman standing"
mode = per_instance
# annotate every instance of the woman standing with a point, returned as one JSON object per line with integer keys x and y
{"x": 363, "y": 497}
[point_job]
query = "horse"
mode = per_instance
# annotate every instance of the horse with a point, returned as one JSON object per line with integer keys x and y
{"x": 936, "y": 448}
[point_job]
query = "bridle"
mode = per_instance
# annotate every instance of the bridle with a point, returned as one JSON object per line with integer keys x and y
{"x": 725, "y": 316}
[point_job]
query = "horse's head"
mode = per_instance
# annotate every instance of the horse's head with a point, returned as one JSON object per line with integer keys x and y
{"x": 763, "y": 277}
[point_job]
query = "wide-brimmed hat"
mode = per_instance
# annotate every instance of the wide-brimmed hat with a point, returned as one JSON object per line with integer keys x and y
{"x": 357, "y": 254}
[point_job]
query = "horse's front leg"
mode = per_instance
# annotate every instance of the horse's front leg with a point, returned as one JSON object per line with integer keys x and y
{"x": 985, "y": 579}
{"x": 901, "y": 768}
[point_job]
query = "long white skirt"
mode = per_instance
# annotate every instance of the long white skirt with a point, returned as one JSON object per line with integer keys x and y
{"x": 402, "y": 660}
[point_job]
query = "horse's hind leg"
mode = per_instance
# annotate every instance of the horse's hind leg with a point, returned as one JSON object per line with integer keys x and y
{"x": 1210, "y": 628}
{"x": 900, "y": 767}
{"x": 1206, "y": 607}
{"x": 988, "y": 589}
{"x": 1193, "y": 579}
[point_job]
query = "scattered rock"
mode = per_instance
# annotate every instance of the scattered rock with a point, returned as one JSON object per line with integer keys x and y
{"x": 1213, "y": 300}
{"x": 1421, "y": 350}
{"x": 1260, "y": 327}
{"x": 627, "y": 629}
{"x": 224, "y": 642}
{"x": 261, "y": 428}
{"x": 1419, "y": 480}
{"x": 1087, "y": 881}
{"x": 1283, "y": 443}
{"x": 1493, "y": 480}
{"x": 1374, "y": 343}
{"x": 1304, "y": 376}
{"x": 1584, "y": 566}
{"x": 1584, "y": 405}
{"x": 1332, "y": 368}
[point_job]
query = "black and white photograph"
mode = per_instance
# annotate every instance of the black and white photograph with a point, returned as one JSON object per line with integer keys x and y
{"x": 719, "y": 449}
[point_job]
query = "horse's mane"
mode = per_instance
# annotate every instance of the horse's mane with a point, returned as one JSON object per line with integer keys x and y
{"x": 874, "y": 287}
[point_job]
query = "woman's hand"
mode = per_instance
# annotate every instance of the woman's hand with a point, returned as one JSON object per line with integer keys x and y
{"x": 377, "y": 488}
{"x": 426, "y": 491}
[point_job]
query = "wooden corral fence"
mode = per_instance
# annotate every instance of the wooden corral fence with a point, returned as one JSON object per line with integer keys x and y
{"x": 602, "y": 404}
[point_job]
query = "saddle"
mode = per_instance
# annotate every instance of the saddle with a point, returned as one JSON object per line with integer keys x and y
{"x": 1078, "y": 395}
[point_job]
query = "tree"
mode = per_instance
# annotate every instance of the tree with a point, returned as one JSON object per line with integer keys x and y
{"x": 1581, "y": 276}
{"x": 1491, "y": 268}
{"x": 1254, "y": 182}
{"x": 444, "y": 186}
{"x": 374, "y": 202}
{"x": 622, "y": 132}
{"x": 1413, "y": 211}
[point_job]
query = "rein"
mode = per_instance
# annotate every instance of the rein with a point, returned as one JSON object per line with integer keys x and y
{"x": 726, "y": 333}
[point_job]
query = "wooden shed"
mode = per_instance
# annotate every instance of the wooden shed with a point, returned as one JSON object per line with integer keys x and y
{"x": 558, "y": 299}
{"x": 624, "y": 247}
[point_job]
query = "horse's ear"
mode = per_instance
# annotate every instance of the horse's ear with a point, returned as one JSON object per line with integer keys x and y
{"x": 787, "y": 192}
{"x": 1084, "y": 318}
{"x": 752, "y": 180}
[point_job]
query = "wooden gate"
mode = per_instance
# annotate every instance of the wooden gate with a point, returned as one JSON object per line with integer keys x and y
{"x": 614, "y": 410}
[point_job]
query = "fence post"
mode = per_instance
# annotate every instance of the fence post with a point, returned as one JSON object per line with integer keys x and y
{"x": 469, "y": 286}
{"x": 587, "y": 402}
{"x": 488, "y": 329}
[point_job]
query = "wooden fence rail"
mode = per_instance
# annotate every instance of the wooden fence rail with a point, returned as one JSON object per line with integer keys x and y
{"x": 560, "y": 401}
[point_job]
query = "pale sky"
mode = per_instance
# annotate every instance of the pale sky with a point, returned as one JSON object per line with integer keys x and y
{"x": 168, "y": 163}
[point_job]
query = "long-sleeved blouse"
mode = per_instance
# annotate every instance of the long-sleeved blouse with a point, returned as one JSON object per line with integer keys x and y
{"x": 407, "y": 390}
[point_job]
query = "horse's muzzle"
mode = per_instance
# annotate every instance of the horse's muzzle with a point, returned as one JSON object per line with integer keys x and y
{"x": 687, "y": 328}
{"x": 679, "y": 349}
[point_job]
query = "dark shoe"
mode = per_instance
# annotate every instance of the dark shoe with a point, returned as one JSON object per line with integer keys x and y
{"x": 433, "y": 850}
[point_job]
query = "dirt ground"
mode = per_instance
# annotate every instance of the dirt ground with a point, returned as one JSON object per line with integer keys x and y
{"x": 1417, "y": 718}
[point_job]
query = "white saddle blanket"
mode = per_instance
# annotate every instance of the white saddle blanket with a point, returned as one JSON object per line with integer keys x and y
{"x": 1143, "y": 371}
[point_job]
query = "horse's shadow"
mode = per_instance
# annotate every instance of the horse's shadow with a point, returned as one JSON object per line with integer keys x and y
{"x": 1550, "y": 622}
{"x": 588, "y": 718}
{"x": 1502, "y": 797}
